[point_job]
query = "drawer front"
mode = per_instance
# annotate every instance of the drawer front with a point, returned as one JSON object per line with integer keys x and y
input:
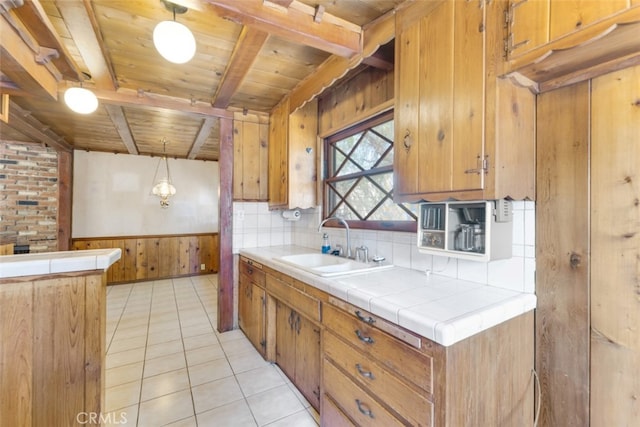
{"x": 354, "y": 401}
{"x": 371, "y": 376}
{"x": 301, "y": 302}
{"x": 392, "y": 353}
{"x": 252, "y": 270}
{"x": 331, "y": 415}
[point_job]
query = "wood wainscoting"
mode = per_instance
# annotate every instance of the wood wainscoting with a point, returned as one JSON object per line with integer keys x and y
{"x": 157, "y": 257}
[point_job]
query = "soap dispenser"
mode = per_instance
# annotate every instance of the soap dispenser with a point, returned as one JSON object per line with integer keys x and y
{"x": 325, "y": 244}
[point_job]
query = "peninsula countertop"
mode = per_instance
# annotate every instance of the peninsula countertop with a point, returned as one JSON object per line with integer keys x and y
{"x": 57, "y": 262}
{"x": 442, "y": 309}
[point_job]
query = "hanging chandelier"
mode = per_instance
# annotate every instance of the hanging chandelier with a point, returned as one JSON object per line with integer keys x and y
{"x": 163, "y": 187}
{"x": 173, "y": 40}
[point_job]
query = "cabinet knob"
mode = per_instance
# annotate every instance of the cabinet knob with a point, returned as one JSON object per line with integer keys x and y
{"x": 575, "y": 260}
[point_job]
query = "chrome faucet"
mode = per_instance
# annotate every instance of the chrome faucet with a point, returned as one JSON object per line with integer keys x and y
{"x": 346, "y": 228}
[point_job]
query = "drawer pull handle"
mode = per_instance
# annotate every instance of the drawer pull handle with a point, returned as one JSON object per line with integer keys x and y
{"x": 367, "y": 340}
{"x": 366, "y": 374}
{"x": 370, "y": 320}
{"x": 361, "y": 408}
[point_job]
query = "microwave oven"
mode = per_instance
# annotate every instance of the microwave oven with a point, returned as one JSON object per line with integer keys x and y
{"x": 473, "y": 230}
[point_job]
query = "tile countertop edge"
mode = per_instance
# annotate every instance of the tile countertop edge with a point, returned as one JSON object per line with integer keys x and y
{"x": 57, "y": 262}
{"x": 446, "y": 332}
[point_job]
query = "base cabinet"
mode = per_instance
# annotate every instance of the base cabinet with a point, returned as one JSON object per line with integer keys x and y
{"x": 52, "y": 349}
{"x": 297, "y": 334}
{"x": 378, "y": 374}
{"x": 252, "y": 303}
{"x": 358, "y": 369}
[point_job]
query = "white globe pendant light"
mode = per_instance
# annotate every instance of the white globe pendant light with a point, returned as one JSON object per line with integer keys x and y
{"x": 173, "y": 40}
{"x": 81, "y": 100}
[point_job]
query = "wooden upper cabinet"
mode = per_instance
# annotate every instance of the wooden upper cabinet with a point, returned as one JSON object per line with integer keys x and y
{"x": 460, "y": 131}
{"x": 533, "y": 23}
{"x": 250, "y": 159}
{"x": 278, "y": 164}
{"x": 292, "y": 156}
{"x": 555, "y": 43}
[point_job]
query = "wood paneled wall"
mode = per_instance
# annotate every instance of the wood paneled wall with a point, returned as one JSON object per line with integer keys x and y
{"x": 157, "y": 257}
{"x": 587, "y": 252}
{"x": 353, "y": 99}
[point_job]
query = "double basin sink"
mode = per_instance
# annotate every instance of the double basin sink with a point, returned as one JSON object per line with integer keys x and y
{"x": 329, "y": 265}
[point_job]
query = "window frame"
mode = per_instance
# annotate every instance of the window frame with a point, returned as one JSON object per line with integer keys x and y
{"x": 410, "y": 226}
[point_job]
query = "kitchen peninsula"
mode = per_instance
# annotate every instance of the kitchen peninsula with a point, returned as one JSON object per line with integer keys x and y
{"x": 396, "y": 346}
{"x": 52, "y": 336}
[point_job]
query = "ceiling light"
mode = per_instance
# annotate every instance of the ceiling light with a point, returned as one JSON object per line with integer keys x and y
{"x": 174, "y": 41}
{"x": 163, "y": 188}
{"x": 81, "y": 100}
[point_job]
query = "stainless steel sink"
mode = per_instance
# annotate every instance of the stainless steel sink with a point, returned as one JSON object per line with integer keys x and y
{"x": 328, "y": 265}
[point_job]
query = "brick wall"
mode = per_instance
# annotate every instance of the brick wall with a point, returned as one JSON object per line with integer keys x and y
{"x": 29, "y": 195}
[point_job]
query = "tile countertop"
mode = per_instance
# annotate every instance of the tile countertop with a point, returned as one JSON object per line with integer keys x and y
{"x": 439, "y": 308}
{"x": 57, "y": 262}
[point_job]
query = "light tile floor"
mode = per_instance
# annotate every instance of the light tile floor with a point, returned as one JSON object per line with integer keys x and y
{"x": 167, "y": 365}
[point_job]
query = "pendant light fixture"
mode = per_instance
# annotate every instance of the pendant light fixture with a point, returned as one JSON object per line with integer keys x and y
{"x": 80, "y": 99}
{"x": 163, "y": 187}
{"x": 173, "y": 40}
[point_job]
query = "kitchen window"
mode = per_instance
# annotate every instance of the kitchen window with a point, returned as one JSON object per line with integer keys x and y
{"x": 359, "y": 177}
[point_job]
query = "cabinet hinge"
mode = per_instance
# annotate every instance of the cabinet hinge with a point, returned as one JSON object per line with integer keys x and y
{"x": 263, "y": 343}
{"x": 508, "y": 45}
{"x": 483, "y": 166}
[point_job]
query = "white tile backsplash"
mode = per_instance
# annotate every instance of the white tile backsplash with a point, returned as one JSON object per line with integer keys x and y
{"x": 255, "y": 226}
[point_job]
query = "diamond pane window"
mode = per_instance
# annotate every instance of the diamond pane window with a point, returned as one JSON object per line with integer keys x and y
{"x": 359, "y": 183}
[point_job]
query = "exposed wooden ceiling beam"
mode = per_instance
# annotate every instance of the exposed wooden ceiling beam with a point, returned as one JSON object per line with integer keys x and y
{"x": 34, "y": 17}
{"x": 201, "y": 138}
{"x": 140, "y": 99}
{"x": 18, "y": 63}
{"x": 116, "y": 114}
{"x": 23, "y": 122}
{"x": 379, "y": 32}
{"x": 82, "y": 24}
{"x": 244, "y": 54}
{"x": 332, "y": 35}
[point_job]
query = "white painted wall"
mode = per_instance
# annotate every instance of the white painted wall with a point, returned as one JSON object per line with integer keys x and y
{"x": 112, "y": 196}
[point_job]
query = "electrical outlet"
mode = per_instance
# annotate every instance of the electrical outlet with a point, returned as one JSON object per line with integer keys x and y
{"x": 203, "y": 267}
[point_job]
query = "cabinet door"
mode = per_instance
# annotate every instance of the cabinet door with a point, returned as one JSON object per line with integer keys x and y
{"x": 528, "y": 26}
{"x": 568, "y": 16}
{"x": 250, "y": 160}
{"x": 278, "y": 133}
{"x": 407, "y": 53}
{"x": 303, "y": 134}
{"x": 308, "y": 360}
{"x": 468, "y": 91}
{"x": 244, "y": 305}
{"x": 440, "y": 109}
{"x": 251, "y": 313}
{"x": 286, "y": 339}
{"x": 533, "y": 23}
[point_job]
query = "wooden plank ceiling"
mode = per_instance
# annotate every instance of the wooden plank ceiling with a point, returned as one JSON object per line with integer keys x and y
{"x": 250, "y": 55}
